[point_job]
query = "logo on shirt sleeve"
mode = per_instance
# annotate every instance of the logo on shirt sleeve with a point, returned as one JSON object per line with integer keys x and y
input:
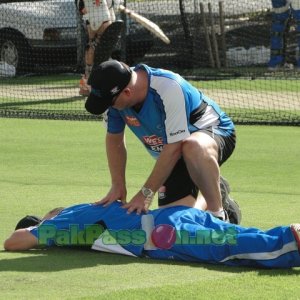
{"x": 132, "y": 121}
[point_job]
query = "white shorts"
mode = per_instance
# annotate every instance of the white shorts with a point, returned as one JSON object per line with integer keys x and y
{"x": 97, "y": 14}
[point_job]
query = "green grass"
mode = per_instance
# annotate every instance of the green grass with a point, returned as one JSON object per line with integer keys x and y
{"x": 261, "y": 84}
{"x": 45, "y": 164}
{"x": 257, "y": 85}
{"x": 57, "y": 95}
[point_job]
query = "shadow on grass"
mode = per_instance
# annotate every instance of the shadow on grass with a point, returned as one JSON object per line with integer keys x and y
{"x": 59, "y": 259}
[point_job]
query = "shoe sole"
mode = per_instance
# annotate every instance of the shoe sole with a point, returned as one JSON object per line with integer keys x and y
{"x": 295, "y": 228}
{"x": 225, "y": 190}
{"x": 232, "y": 208}
{"x": 234, "y": 212}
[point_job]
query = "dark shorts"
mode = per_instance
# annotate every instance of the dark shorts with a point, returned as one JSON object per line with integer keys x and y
{"x": 179, "y": 184}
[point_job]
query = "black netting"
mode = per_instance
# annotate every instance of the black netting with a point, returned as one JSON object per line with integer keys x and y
{"x": 222, "y": 47}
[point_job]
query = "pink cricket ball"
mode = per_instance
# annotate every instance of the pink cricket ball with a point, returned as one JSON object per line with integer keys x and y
{"x": 163, "y": 236}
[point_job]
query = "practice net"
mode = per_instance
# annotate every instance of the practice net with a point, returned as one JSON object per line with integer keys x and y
{"x": 222, "y": 47}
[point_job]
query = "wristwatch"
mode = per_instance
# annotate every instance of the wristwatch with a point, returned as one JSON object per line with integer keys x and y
{"x": 147, "y": 193}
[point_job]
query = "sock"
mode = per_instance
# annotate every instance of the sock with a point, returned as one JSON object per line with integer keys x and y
{"x": 219, "y": 214}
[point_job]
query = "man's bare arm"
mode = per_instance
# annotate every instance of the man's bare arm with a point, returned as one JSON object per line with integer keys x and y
{"x": 161, "y": 171}
{"x": 20, "y": 240}
{"x": 117, "y": 157}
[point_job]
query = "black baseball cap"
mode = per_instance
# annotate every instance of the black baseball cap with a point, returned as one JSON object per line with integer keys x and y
{"x": 107, "y": 80}
{"x": 28, "y": 221}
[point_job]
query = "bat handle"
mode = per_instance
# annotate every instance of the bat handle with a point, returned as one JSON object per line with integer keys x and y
{"x": 123, "y": 8}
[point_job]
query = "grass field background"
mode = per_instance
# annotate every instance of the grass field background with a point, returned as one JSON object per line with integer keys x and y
{"x": 45, "y": 164}
{"x": 60, "y": 93}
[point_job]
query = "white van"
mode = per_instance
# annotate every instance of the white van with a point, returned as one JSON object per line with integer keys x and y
{"x": 46, "y": 32}
{"x": 50, "y": 33}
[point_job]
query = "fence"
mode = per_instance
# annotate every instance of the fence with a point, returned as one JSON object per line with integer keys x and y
{"x": 222, "y": 47}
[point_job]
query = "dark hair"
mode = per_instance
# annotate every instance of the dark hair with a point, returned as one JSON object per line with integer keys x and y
{"x": 28, "y": 221}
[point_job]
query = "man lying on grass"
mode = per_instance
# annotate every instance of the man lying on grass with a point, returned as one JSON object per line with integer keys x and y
{"x": 178, "y": 233}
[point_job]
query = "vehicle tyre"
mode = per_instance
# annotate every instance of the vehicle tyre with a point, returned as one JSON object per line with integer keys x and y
{"x": 15, "y": 50}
